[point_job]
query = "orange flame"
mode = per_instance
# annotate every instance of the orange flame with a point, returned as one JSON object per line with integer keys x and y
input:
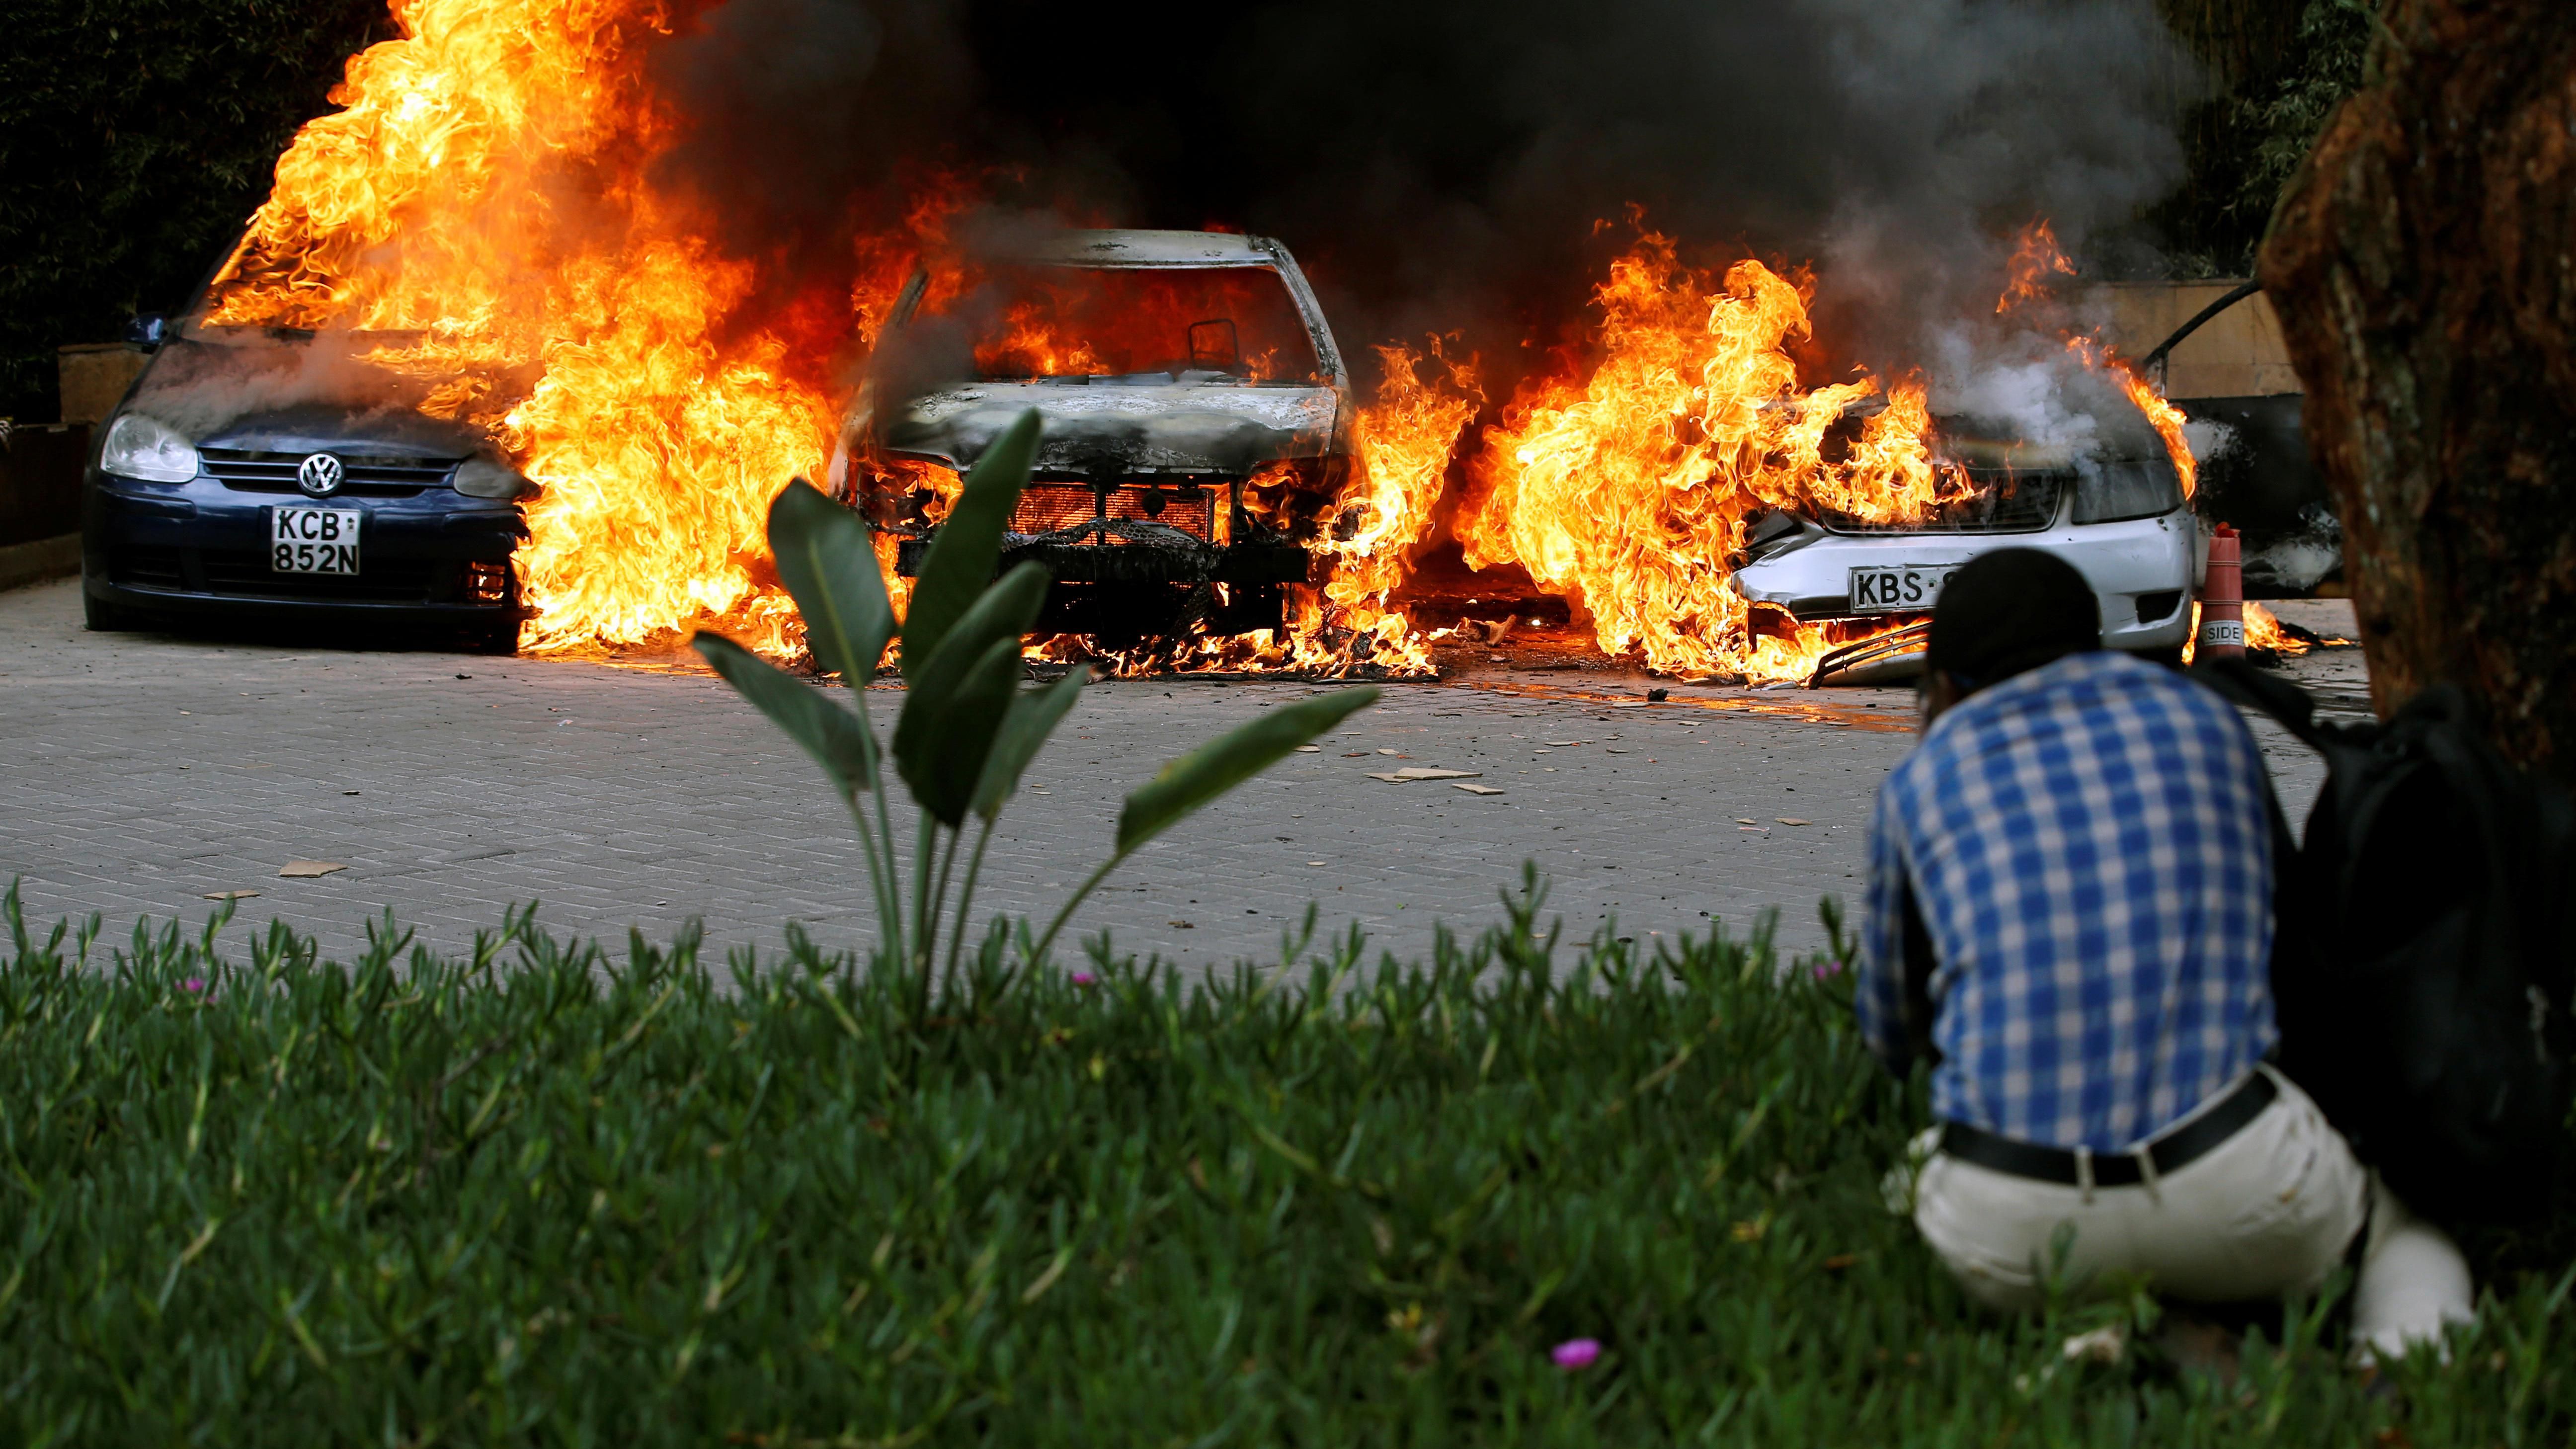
{"x": 484, "y": 195}
{"x": 1403, "y": 444}
{"x": 2167, "y": 419}
{"x": 1628, "y": 489}
{"x": 484, "y": 202}
{"x": 2036, "y": 256}
{"x": 1405, "y": 440}
{"x": 2263, "y": 630}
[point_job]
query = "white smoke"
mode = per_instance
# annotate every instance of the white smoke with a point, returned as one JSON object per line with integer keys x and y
{"x": 209, "y": 380}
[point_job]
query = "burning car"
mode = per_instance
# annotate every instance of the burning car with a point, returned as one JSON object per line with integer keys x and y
{"x": 1197, "y": 422}
{"x": 270, "y": 471}
{"x": 2115, "y": 508}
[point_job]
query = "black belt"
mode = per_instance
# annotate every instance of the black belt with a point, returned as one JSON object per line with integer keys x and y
{"x": 2172, "y": 1152}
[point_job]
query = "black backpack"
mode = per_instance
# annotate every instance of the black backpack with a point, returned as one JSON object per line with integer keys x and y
{"x": 2421, "y": 965}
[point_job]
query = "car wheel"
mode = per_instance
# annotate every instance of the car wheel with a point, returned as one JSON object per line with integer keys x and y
{"x": 102, "y": 617}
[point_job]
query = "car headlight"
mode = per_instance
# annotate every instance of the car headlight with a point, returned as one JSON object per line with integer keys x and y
{"x": 146, "y": 448}
{"x": 483, "y": 476}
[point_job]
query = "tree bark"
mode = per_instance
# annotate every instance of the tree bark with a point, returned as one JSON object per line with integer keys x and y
{"x": 2423, "y": 263}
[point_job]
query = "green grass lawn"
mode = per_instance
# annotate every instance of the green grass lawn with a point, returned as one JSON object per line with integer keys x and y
{"x": 249, "y": 1198}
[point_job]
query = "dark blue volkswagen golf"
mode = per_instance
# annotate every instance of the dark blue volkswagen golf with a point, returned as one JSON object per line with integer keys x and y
{"x": 270, "y": 472}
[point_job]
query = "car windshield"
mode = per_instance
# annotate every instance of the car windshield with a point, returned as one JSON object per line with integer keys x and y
{"x": 1200, "y": 324}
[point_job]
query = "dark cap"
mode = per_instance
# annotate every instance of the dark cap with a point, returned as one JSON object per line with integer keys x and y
{"x": 2008, "y": 612}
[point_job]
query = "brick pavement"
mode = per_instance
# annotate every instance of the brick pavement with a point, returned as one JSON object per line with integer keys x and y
{"x": 144, "y": 771}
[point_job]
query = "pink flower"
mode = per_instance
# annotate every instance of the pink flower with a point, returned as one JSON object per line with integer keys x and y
{"x": 1085, "y": 978}
{"x": 1828, "y": 969}
{"x": 1576, "y": 1353}
{"x": 193, "y": 985}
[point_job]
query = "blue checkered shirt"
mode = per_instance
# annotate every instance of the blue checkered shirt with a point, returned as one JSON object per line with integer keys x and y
{"x": 2090, "y": 850}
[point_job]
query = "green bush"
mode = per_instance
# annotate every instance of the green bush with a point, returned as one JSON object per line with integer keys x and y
{"x": 529, "y": 1196}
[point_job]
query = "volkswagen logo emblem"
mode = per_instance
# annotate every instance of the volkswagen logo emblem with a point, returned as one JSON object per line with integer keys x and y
{"x": 319, "y": 475}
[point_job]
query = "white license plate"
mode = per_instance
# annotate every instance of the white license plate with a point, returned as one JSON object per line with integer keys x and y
{"x": 1898, "y": 588}
{"x": 313, "y": 540}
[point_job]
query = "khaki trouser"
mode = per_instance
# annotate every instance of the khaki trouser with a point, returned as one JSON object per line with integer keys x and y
{"x": 2266, "y": 1213}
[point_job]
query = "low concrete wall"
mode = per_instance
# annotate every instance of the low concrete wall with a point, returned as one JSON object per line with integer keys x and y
{"x": 40, "y": 474}
{"x": 46, "y": 558}
{"x": 94, "y": 377}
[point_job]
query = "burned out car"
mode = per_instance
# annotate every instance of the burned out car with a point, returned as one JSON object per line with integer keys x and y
{"x": 2113, "y": 507}
{"x": 1196, "y": 422}
{"x": 273, "y": 473}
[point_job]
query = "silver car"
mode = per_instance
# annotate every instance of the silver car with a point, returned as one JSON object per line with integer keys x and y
{"x": 2116, "y": 512}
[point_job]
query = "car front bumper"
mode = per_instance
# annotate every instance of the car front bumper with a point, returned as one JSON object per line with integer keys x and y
{"x": 2141, "y": 570}
{"x": 198, "y": 545}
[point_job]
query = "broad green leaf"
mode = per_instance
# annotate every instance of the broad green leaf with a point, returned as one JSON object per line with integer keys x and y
{"x": 831, "y": 734}
{"x": 943, "y": 774}
{"x": 1033, "y": 715}
{"x": 829, "y": 563}
{"x": 1230, "y": 759}
{"x": 1004, "y": 613}
{"x": 960, "y": 563}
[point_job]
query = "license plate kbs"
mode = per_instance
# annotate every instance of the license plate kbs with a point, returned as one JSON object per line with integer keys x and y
{"x": 313, "y": 540}
{"x": 1898, "y": 588}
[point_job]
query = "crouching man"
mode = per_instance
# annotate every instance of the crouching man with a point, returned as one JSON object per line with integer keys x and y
{"x": 2070, "y": 917}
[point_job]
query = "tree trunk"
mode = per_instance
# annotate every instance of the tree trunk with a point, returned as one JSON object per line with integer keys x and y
{"x": 2423, "y": 263}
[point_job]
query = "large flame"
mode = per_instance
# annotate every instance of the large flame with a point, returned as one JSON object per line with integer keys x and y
{"x": 484, "y": 195}
{"x": 1627, "y": 488}
{"x": 1405, "y": 439}
{"x": 484, "y": 209}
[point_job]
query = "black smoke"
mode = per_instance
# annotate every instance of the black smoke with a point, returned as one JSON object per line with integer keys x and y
{"x": 1442, "y": 164}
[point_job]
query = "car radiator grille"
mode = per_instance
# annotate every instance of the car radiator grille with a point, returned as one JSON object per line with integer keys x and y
{"x": 240, "y": 573}
{"x": 2026, "y": 503}
{"x": 379, "y": 581}
{"x": 148, "y": 568}
{"x": 364, "y": 475}
{"x": 1052, "y": 507}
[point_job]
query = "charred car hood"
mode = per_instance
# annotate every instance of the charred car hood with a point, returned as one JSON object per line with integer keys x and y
{"x": 1119, "y": 426}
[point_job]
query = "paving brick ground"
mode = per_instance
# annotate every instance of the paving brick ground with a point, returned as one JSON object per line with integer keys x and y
{"x": 142, "y": 772}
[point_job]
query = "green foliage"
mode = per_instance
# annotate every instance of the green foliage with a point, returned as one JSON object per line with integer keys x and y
{"x": 1032, "y": 717}
{"x": 136, "y": 137}
{"x": 532, "y": 1196}
{"x": 966, "y": 731}
{"x": 809, "y": 535}
{"x": 835, "y": 739}
{"x": 953, "y": 704}
{"x": 2288, "y": 66}
{"x": 2284, "y": 117}
{"x": 959, "y": 566}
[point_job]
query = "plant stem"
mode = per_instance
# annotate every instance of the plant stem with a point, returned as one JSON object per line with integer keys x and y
{"x": 890, "y": 884}
{"x": 877, "y": 881}
{"x": 921, "y": 853}
{"x": 885, "y": 844}
{"x": 938, "y": 906}
{"x": 966, "y": 897}
{"x": 1038, "y": 952}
